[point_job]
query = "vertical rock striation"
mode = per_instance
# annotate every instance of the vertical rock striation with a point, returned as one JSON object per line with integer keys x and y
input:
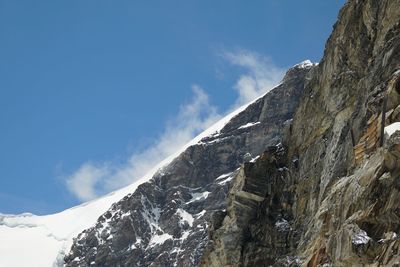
{"x": 312, "y": 205}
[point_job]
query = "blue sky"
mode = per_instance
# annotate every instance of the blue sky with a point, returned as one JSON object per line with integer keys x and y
{"x": 93, "y": 92}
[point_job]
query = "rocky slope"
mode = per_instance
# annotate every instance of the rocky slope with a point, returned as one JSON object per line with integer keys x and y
{"x": 324, "y": 191}
{"x": 312, "y": 202}
{"x": 165, "y": 222}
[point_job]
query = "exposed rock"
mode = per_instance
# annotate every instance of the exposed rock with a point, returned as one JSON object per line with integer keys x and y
{"x": 165, "y": 222}
{"x": 304, "y": 201}
{"x": 259, "y": 209}
{"x": 325, "y": 209}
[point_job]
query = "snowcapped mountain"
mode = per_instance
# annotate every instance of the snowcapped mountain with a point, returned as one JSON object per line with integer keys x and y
{"x": 163, "y": 218}
{"x": 165, "y": 221}
{"x": 303, "y": 176}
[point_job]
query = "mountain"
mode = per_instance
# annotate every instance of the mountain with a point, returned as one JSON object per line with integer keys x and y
{"x": 330, "y": 196}
{"x": 165, "y": 221}
{"x": 306, "y": 175}
{"x": 182, "y": 188}
{"x": 322, "y": 192}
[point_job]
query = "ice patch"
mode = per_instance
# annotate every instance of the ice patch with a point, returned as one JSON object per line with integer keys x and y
{"x": 250, "y": 124}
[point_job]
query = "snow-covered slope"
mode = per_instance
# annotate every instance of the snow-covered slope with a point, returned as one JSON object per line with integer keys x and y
{"x": 43, "y": 240}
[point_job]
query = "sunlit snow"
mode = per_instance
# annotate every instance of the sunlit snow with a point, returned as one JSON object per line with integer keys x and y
{"x": 30, "y": 240}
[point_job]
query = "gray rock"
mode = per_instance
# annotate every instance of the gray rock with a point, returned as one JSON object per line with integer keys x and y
{"x": 166, "y": 221}
{"x": 322, "y": 209}
{"x": 304, "y": 201}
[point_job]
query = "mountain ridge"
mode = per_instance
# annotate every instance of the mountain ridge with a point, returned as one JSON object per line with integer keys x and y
{"x": 71, "y": 220}
{"x": 306, "y": 175}
{"x": 164, "y": 208}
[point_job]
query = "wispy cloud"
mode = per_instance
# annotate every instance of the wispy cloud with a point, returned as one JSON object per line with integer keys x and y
{"x": 261, "y": 74}
{"x": 83, "y": 182}
{"x": 94, "y": 179}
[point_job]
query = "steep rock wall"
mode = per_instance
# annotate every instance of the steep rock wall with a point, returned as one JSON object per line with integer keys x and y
{"x": 313, "y": 205}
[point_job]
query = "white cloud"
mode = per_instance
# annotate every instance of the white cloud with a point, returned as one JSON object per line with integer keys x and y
{"x": 193, "y": 118}
{"x": 83, "y": 182}
{"x": 92, "y": 180}
{"x": 261, "y": 76}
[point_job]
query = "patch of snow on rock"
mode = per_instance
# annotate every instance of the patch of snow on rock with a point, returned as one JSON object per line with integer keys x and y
{"x": 282, "y": 225}
{"x": 305, "y": 64}
{"x": 225, "y": 178}
{"x": 159, "y": 239}
{"x": 185, "y": 216}
{"x": 200, "y": 214}
{"x": 250, "y": 124}
{"x": 45, "y": 239}
{"x": 392, "y": 128}
{"x": 360, "y": 238}
{"x": 254, "y": 159}
{"x": 199, "y": 196}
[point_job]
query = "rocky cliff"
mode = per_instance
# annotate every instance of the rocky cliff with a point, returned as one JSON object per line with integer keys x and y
{"x": 165, "y": 222}
{"x": 322, "y": 191}
{"x": 330, "y": 195}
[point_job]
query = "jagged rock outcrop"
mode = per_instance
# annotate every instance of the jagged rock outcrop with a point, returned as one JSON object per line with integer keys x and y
{"x": 165, "y": 222}
{"x": 322, "y": 191}
{"x": 255, "y": 229}
{"x": 313, "y": 204}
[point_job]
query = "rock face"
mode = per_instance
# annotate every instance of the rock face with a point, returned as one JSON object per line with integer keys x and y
{"x": 166, "y": 221}
{"x": 309, "y": 203}
{"x": 322, "y": 191}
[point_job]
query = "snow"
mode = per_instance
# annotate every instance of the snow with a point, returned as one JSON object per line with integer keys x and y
{"x": 31, "y": 240}
{"x": 43, "y": 240}
{"x": 199, "y": 196}
{"x": 393, "y": 236}
{"x": 392, "y": 128}
{"x": 185, "y": 235}
{"x": 215, "y": 129}
{"x": 19, "y": 253}
{"x": 159, "y": 239}
{"x": 282, "y": 225}
{"x": 200, "y": 214}
{"x": 217, "y": 140}
{"x": 360, "y": 238}
{"x": 305, "y": 64}
{"x": 151, "y": 216}
{"x": 255, "y": 159}
{"x": 250, "y": 124}
{"x": 388, "y": 236}
{"x": 185, "y": 217}
{"x": 225, "y": 178}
